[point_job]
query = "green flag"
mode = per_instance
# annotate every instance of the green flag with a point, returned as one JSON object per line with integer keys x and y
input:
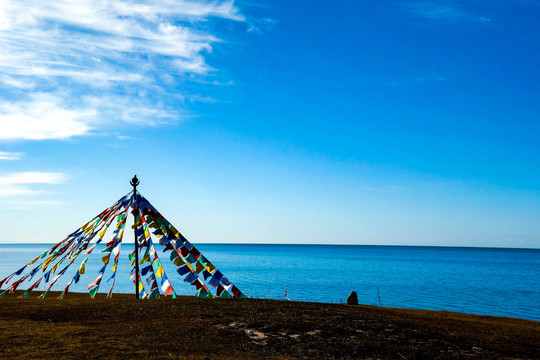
{"x": 93, "y": 292}
{"x": 154, "y": 294}
{"x": 202, "y": 293}
{"x": 225, "y": 295}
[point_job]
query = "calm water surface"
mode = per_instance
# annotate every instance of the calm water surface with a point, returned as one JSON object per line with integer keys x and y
{"x": 502, "y": 282}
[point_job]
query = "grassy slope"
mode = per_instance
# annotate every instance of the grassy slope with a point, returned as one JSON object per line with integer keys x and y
{"x": 122, "y": 327}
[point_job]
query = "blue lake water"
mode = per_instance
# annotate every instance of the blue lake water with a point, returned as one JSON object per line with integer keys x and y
{"x": 501, "y": 282}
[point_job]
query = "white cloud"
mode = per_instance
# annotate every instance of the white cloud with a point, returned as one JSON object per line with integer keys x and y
{"x": 42, "y": 118}
{"x": 28, "y": 204}
{"x": 5, "y": 155}
{"x": 33, "y": 177}
{"x": 16, "y": 184}
{"x": 57, "y": 54}
{"x": 442, "y": 11}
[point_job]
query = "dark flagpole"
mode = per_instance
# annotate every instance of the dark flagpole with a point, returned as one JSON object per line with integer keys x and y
{"x": 136, "y": 182}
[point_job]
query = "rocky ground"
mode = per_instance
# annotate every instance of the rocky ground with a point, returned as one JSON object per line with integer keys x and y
{"x": 122, "y": 327}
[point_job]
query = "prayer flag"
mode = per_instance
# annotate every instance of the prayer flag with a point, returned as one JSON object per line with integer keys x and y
{"x": 33, "y": 261}
{"x": 178, "y": 261}
{"x": 199, "y": 267}
{"x": 206, "y": 274}
{"x": 160, "y": 272}
{"x": 154, "y": 294}
{"x": 156, "y": 264}
{"x": 165, "y": 285}
{"x": 235, "y": 291}
{"x": 203, "y": 260}
{"x": 145, "y": 270}
{"x": 198, "y": 284}
{"x": 225, "y": 295}
{"x": 18, "y": 272}
{"x": 144, "y": 259}
{"x": 47, "y": 262}
{"x": 201, "y": 294}
{"x": 213, "y": 281}
{"x": 47, "y": 275}
{"x": 95, "y": 282}
{"x": 174, "y": 255}
{"x": 168, "y": 291}
{"x": 219, "y": 290}
{"x": 195, "y": 252}
{"x": 183, "y": 270}
{"x": 217, "y": 275}
{"x": 82, "y": 267}
{"x": 191, "y": 277}
{"x": 184, "y": 251}
{"x": 209, "y": 267}
{"x": 190, "y": 258}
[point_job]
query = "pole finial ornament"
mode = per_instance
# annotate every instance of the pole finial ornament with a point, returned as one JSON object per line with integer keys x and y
{"x": 134, "y": 181}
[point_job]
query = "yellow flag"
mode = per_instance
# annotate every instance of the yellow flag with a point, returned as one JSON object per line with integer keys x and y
{"x": 47, "y": 262}
{"x": 102, "y": 233}
{"x": 159, "y": 272}
{"x": 141, "y": 287}
{"x": 145, "y": 259}
{"x": 210, "y": 268}
{"x": 198, "y": 267}
{"x": 54, "y": 267}
{"x": 114, "y": 266}
{"x": 33, "y": 261}
{"x": 178, "y": 261}
{"x": 83, "y": 228}
{"x": 189, "y": 267}
{"x": 146, "y": 234}
{"x": 173, "y": 230}
{"x": 105, "y": 259}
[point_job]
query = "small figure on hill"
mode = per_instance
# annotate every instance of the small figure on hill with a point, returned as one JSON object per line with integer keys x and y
{"x": 352, "y": 299}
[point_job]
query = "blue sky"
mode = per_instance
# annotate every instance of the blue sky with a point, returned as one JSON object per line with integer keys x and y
{"x": 389, "y": 122}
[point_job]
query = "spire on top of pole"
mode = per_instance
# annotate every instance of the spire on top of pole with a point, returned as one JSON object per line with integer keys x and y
{"x": 134, "y": 182}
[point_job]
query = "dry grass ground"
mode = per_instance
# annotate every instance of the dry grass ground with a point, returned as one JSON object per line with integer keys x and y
{"x": 187, "y": 327}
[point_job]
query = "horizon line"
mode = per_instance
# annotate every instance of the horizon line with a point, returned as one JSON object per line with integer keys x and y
{"x": 315, "y": 244}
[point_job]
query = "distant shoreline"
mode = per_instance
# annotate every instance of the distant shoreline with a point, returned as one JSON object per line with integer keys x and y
{"x": 359, "y": 245}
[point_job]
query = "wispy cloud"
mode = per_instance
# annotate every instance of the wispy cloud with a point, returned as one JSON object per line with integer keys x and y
{"x": 28, "y": 204}
{"x": 260, "y": 26}
{"x": 386, "y": 189}
{"x": 63, "y": 63}
{"x": 5, "y": 155}
{"x": 16, "y": 184}
{"x": 442, "y": 11}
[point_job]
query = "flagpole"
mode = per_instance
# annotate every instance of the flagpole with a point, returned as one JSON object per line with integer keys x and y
{"x": 136, "y": 182}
